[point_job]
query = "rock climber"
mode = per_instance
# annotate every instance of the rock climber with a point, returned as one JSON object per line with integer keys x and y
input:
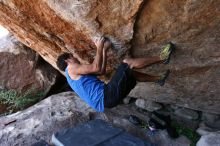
{"x": 82, "y": 78}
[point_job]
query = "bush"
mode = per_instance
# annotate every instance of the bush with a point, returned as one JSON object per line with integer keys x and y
{"x": 17, "y": 101}
{"x": 189, "y": 133}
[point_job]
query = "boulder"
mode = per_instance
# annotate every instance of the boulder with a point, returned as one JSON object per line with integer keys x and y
{"x": 22, "y": 69}
{"x": 139, "y": 28}
{"x": 71, "y": 26}
{"x": 209, "y": 136}
{"x": 43, "y": 119}
{"x": 186, "y": 113}
{"x": 211, "y": 120}
{"x": 212, "y": 139}
{"x": 127, "y": 100}
{"x": 204, "y": 129}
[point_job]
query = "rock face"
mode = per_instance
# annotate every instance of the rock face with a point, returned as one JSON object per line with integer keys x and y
{"x": 51, "y": 27}
{"x": 59, "y": 26}
{"x": 193, "y": 26}
{"x": 21, "y": 69}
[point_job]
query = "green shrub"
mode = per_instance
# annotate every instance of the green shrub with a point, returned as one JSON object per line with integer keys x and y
{"x": 189, "y": 133}
{"x": 17, "y": 101}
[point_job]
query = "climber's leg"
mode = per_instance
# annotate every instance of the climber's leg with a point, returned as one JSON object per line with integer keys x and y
{"x": 147, "y": 61}
{"x": 142, "y": 77}
{"x": 120, "y": 85}
{"x": 142, "y": 62}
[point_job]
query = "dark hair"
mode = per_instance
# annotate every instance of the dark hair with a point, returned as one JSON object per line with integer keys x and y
{"x": 61, "y": 64}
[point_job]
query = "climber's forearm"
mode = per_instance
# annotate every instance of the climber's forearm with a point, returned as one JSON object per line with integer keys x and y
{"x": 97, "y": 63}
{"x": 104, "y": 62}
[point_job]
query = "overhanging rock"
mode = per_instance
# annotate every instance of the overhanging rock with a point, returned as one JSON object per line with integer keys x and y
{"x": 51, "y": 27}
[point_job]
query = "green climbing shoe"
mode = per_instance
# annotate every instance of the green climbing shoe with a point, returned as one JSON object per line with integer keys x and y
{"x": 166, "y": 52}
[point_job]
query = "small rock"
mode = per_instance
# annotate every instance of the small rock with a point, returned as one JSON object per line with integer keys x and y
{"x": 204, "y": 129}
{"x": 174, "y": 107}
{"x": 182, "y": 141}
{"x": 209, "y": 117}
{"x": 166, "y": 110}
{"x": 211, "y": 139}
{"x": 148, "y": 105}
{"x": 211, "y": 120}
{"x": 127, "y": 100}
{"x": 162, "y": 138}
{"x": 186, "y": 113}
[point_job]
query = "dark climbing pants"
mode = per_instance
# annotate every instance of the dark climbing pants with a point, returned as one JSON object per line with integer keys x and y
{"x": 119, "y": 86}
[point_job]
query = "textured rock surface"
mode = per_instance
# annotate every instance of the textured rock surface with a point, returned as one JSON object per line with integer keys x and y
{"x": 210, "y": 136}
{"x": 57, "y": 26}
{"x": 51, "y": 27}
{"x": 205, "y": 130}
{"x": 65, "y": 110}
{"x": 42, "y": 120}
{"x": 21, "y": 69}
{"x": 148, "y": 105}
{"x": 211, "y": 120}
{"x": 194, "y": 27}
{"x": 186, "y": 113}
{"x": 212, "y": 139}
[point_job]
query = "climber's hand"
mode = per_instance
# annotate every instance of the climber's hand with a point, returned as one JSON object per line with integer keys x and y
{"x": 100, "y": 43}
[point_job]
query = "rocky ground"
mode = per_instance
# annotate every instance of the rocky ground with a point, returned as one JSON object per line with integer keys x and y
{"x": 65, "y": 110}
{"x": 137, "y": 28}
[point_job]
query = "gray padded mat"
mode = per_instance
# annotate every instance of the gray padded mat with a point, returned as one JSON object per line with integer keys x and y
{"x": 96, "y": 133}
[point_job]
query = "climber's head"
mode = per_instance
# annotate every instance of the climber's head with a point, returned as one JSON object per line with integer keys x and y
{"x": 64, "y": 60}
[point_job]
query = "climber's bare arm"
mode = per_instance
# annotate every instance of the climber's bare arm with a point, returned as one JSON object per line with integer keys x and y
{"x": 95, "y": 67}
{"x": 84, "y": 69}
{"x": 106, "y": 46}
{"x": 103, "y": 68}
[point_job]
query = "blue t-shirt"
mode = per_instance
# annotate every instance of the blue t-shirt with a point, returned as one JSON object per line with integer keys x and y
{"x": 90, "y": 89}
